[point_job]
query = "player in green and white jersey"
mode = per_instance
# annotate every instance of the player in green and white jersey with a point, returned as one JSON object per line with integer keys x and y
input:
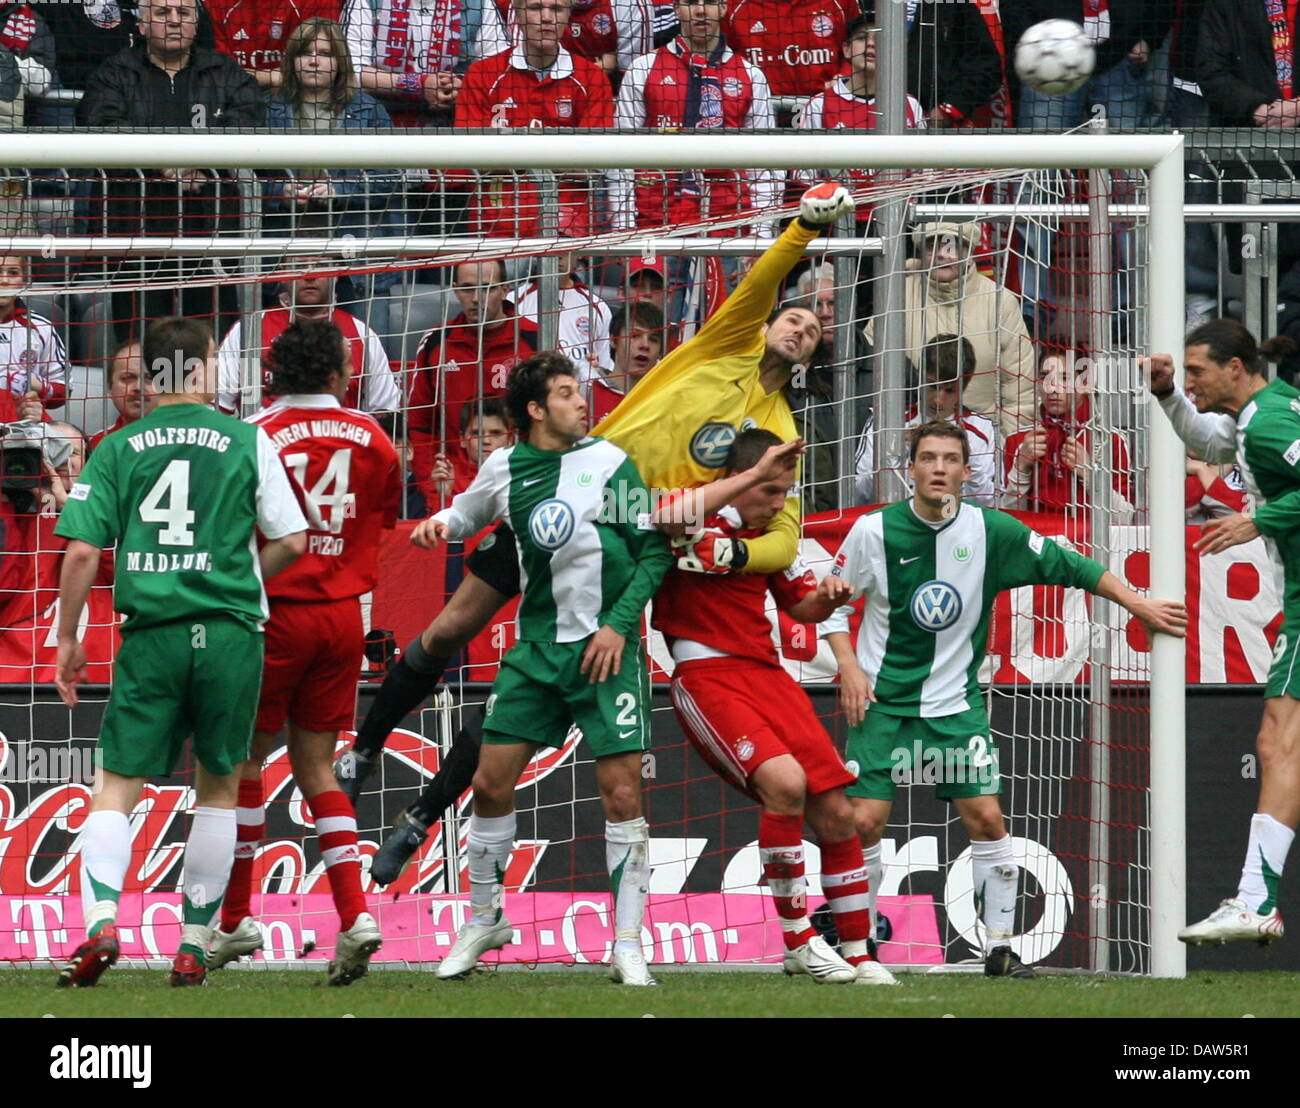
{"x": 181, "y": 492}
{"x": 590, "y": 559}
{"x": 1229, "y": 411}
{"x": 931, "y": 567}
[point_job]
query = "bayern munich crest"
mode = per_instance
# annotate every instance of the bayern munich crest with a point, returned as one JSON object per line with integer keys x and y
{"x": 822, "y": 25}
{"x": 744, "y": 750}
{"x": 936, "y": 606}
{"x": 731, "y": 86}
{"x": 551, "y": 524}
{"x": 709, "y": 445}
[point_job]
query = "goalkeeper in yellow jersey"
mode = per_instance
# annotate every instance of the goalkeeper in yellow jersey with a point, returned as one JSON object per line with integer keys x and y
{"x": 676, "y": 425}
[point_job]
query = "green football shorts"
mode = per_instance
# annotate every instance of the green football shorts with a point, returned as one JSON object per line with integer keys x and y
{"x": 539, "y": 692}
{"x": 199, "y": 678}
{"x": 957, "y": 754}
{"x": 1284, "y": 673}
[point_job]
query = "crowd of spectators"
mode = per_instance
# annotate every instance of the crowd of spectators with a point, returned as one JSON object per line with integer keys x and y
{"x": 975, "y": 350}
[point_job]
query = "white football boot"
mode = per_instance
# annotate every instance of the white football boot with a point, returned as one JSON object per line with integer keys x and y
{"x": 225, "y": 947}
{"x": 1231, "y": 922}
{"x": 820, "y": 962}
{"x": 474, "y": 940}
{"x": 872, "y": 972}
{"x": 628, "y": 967}
{"x": 353, "y": 949}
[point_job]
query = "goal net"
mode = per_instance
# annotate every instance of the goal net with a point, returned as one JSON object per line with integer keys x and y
{"x": 1013, "y": 300}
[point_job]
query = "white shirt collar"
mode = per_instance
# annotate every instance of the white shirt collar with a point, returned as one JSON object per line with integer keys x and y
{"x": 308, "y": 400}
{"x": 561, "y": 68}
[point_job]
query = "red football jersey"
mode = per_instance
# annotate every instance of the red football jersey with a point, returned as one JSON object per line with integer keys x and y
{"x": 254, "y": 32}
{"x": 796, "y": 43}
{"x": 728, "y": 612}
{"x": 501, "y": 91}
{"x": 345, "y": 472}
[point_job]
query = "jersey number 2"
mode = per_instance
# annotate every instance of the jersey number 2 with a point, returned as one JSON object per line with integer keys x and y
{"x": 174, "y": 487}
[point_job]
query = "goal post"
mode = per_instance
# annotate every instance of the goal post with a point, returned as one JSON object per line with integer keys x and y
{"x": 1159, "y": 156}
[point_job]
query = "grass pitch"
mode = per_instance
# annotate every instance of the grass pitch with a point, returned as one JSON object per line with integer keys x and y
{"x": 241, "y": 993}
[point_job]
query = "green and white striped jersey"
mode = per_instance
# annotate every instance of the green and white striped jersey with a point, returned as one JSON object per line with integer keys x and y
{"x": 587, "y": 552}
{"x": 182, "y": 491}
{"x": 930, "y": 591}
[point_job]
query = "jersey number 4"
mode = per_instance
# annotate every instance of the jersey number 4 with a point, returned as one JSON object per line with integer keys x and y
{"x": 330, "y": 492}
{"x": 173, "y": 486}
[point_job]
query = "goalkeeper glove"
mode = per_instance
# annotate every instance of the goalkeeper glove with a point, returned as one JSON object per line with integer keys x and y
{"x": 825, "y": 203}
{"x": 712, "y": 554}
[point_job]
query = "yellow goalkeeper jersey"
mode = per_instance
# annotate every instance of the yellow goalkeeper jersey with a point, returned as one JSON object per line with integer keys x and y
{"x": 679, "y": 421}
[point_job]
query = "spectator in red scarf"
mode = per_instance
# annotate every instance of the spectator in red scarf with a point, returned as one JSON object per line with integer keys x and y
{"x": 1049, "y": 466}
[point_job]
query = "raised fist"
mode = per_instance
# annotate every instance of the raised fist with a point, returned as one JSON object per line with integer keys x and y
{"x": 825, "y": 203}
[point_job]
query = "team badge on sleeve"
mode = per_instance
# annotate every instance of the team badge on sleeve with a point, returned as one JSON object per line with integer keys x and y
{"x": 79, "y": 491}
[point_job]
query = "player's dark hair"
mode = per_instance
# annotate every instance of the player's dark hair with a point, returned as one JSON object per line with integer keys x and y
{"x": 1228, "y": 339}
{"x": 303, "y": 356}
{"x": 938, "y": 429}
{"x": 488, "y": 407}
{"x": 748, "y": 447}
{"x": 171, "y": 346}
{"x": 530, "y": 381}
{"x": 640, "y": 315}
{"x": 948, "y": 358}
{"x": 782, "y": 309}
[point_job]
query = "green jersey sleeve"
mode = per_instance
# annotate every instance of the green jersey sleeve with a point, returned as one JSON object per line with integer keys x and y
{"x": 93, "y": 511}
{"x": 647, "y": 547}
{"x": 1019, "y": 556}
{"x": 1273, "y": 456}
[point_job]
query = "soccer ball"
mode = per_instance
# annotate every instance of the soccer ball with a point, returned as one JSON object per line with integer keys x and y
{"x": 1055, "y": 57}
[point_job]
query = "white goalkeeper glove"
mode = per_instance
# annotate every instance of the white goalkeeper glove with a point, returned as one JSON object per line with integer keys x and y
{"x": 825, "y": 203}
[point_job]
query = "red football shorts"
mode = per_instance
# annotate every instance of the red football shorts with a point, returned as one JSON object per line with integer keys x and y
{"x": 313, "y": 663}
{"x": 738, "y": 713}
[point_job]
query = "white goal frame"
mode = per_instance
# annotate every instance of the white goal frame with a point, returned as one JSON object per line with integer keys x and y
{"x": 1161, "y": 156}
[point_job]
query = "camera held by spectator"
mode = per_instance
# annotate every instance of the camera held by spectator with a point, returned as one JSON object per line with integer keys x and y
{"x": 29, "y": 457}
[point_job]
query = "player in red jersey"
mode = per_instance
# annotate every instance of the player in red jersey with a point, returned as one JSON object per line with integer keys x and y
{"x": 254, "y": 32}
{"x": 372, "y": 386}
{"x": 346, "y": 474}
{"x": 793, "y": 41}
{"x": 756, "y": 727}
{"x": 637, "y": 335}
{"x": 468, "y": 358}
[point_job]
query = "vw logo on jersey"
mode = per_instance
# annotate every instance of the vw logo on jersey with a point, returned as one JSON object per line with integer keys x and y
{"x": 709, "y": 445}
{"x": 551, "y": 524}
{"x": 936, "y": 606}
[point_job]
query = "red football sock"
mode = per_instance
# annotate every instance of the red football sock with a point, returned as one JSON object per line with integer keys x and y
{"x": 780, "y": 845}
{"x": 336, "y": 824}
{"x": 250, "y": 827}
{"x": 844, "y": 881}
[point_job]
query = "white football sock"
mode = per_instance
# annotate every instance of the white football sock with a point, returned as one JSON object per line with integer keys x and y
{"x": 209, "y": 854}
{"x": 871, "y": 856}
{"x": 1265, "y": 856}
{"x": 627, "y": 857}
{"x": 105, "y": 856}
{"x": 491, "y": 839}
{"x": 993, "y": 866}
